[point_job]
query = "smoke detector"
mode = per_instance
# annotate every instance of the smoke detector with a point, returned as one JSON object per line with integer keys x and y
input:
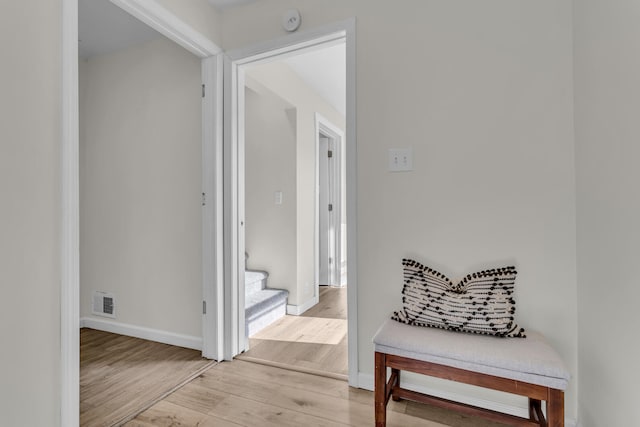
{"x": 291, "y": 20}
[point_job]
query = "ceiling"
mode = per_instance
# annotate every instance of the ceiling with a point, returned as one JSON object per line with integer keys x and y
{"x": 226, "y": 4}
{"x": 103, "y": 28}
{"x": 324, "y": 70}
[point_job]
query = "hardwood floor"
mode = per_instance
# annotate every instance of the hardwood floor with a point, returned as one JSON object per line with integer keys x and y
{"x": 161, "y": 385}
{"x": 240, "y": 393}
{"x": 314, "y": 342}
{"x": 332, "y": 304}
{"x": 120, "y": 376}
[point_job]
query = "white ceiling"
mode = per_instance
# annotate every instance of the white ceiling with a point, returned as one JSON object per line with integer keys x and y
{"x": 325, "y": 71}
{"x": 103, "y": 27}
{"x": 226, "y": 4}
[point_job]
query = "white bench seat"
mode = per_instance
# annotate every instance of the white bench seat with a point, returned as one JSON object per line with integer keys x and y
{"x": 525, "y": 366}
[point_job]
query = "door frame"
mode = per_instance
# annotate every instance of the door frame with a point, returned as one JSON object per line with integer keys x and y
{"x": 168, "y": 24}
{"x": 324, "y": 126}
{"x": 235, "y": 341}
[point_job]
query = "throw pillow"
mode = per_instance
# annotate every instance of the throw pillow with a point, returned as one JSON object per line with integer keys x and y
{"x": 481, "y": 303}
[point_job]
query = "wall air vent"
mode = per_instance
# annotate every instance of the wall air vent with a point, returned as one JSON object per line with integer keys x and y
{"x": 104, "y": 304}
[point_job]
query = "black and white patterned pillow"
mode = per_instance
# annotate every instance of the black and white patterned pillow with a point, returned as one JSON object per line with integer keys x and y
{"x": 481, "y": 303}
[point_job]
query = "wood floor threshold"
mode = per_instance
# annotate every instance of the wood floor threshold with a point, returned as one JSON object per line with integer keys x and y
{"x": 141, "y": 409}
{"x": 311, "y": 371}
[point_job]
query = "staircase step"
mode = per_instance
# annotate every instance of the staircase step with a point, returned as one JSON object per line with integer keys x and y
{"x": 263, "y": 308}
{"x": 254, "y": 281}
{"x": 263, "y": 300}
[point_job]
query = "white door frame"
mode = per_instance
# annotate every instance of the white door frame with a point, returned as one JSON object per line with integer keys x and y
{"x": 325, "y": 127}
{"x": 234, "y": 152}
{"x": 168, "y": 24}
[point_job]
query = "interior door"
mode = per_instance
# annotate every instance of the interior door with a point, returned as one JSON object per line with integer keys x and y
{"x": 327, "y": 212}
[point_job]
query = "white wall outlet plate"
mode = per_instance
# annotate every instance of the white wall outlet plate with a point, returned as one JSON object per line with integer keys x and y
{"x": 400, "y": 159}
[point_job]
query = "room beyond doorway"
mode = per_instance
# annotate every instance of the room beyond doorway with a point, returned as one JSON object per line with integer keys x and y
{"x": 293, "y": 132}
{"x": 294, "y": 223}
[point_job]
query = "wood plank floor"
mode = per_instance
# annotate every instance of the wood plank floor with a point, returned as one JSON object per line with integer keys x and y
{"x": 241, "y": 393}
{"x": 316, "y": 341}
{"x": 123, "y": 377}
{"x": 119, "y": 375}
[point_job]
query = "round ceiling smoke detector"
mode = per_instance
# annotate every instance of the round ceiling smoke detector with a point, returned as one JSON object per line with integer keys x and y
{"x": 291, "y": 20}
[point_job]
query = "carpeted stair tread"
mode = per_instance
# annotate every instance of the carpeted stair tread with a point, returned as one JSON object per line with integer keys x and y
{"x": 259, "y": 302}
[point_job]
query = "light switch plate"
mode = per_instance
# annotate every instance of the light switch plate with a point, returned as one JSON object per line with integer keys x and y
{"x": 400, "y": 159}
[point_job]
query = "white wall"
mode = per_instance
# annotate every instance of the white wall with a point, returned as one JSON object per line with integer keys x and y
{"x": 30, "y": 214}
{"x": 140, "y": 185}
{"x": 282, "y": 80}
{"x": 199, "y": 14}
{"x": 482, "y": 92}
{"x": 607, "y": 102}
{"x": 270, "y": 166}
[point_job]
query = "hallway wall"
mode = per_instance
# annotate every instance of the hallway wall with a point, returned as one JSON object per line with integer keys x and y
{"x": 607, "y": 86}
{"x": 30, "y": 218}
{"x": 270, "y": 166}
{"x": 482, "y": 93}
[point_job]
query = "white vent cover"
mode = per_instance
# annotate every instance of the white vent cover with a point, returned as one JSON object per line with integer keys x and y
{"x": 104, "y": 304}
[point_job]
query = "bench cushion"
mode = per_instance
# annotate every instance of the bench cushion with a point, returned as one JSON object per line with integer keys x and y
{"x": 529, "y": 359}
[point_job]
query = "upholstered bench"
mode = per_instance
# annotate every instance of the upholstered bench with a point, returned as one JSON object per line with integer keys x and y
{"x": 524, "y": 366}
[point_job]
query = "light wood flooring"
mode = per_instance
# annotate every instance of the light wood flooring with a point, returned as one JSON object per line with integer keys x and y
{"x": 120, "y": 376}
{"x": 314, "y": 342}
{"x": 141, "y": 384}
{"x": 241, "y": 393}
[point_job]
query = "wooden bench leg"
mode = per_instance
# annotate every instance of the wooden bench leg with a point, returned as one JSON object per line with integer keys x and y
{"x": 535, "y": 411}
{"x": 380, "y": 393}
{"x": 532, "y": 409}
{"x": 397, "y": 373}
{"x": 555, "y": 408}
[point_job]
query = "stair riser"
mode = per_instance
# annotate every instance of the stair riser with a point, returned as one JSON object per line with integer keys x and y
{"x": 255, "y": 286}
{"x": 255, "y": 325}
{"x": 255, "y": 281}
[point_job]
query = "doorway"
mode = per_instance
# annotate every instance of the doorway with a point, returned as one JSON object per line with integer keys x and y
{"x": 173, "y": 28}
{"x": 294, "y": 314}
{"x": 237, "y": 72}
{"x": 140, "y": 163}
{"x": 332, "y": 225}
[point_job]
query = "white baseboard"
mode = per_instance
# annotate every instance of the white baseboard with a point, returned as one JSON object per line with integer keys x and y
{"x": 297, "y": 310}
{"x": 366, "y": 382}
{"x": 156, "y": 335}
